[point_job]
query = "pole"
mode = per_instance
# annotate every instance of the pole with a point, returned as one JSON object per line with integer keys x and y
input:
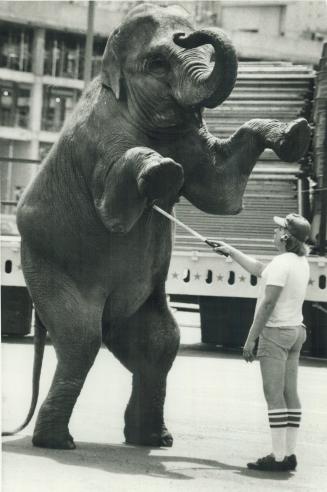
{"x": 299, "y": 195}
{"x": 210, "y": 243}
{"x": 9, "y": 175}
{"x": 323, "y": 199}
{"x": 89, "y": 44}
{"x": 321, "y": 101}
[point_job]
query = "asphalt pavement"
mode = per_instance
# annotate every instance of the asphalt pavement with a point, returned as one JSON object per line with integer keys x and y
{"x": 214, "y": 408}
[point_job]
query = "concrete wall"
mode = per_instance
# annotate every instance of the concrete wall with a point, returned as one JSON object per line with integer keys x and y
{"x": 292, "y": 18}
{"x": 306, "y": 17}
{"x": 65, "y": 15}
{"x": 252, "y": 18}
{"x": 299, "y": 16}
{"x": 286, "y": 30}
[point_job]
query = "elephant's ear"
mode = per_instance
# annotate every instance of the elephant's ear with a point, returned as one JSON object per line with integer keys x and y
{"x": 111, "y": 69}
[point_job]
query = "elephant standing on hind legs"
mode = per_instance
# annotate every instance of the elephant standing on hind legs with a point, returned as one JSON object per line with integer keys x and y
{"x": 94, "y": 254}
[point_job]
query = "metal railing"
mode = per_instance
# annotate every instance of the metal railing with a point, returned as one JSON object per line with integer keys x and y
{"x": 14, "y": 120}
{"x": 9, "y": 192}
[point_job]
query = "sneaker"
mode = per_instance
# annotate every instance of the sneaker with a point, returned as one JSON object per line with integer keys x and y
{"x": 291, "y": 462}
{"x": 268, "y": 463}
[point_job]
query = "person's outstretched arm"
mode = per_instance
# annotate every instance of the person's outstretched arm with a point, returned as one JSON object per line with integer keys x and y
{"x": 249, "y": 263}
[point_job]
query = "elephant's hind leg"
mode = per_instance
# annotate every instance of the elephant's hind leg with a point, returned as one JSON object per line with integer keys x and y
{"x": 146, "y": 344}
{"x": 75, "y": 329}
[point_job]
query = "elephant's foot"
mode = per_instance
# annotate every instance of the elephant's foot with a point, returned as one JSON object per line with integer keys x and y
{"x": 294, "y": 140}
{"x": 146, "y": 437}
{"x": 53, "y": 440}
{"x": 161, "y": 179}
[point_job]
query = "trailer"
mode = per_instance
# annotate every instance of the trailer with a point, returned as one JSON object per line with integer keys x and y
{"x": 223, "y": 291}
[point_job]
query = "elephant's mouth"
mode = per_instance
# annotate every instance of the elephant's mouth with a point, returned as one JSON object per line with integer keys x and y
{"x": 166, "y": 118}
{"x": 172, "y": 117}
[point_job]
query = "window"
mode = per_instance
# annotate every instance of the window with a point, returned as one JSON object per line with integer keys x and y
{"x": 65, "y": 54}
{"x": 15, "y": 47}
{"x": 14, "y": 104}
{"x": 58, "y": 104}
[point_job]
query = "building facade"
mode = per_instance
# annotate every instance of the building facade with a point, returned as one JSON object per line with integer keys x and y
{"x": 42, "y": 54}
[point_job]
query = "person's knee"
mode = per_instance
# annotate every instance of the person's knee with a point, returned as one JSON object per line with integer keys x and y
{"x": 274, "y": 394}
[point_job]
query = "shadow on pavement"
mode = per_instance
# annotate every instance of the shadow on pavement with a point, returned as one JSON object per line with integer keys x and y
{"x": 127, "y": 459}
{"x": 187, "y": 350}
{"x": 207, "y": 350}
{"x": 216, "y": 351}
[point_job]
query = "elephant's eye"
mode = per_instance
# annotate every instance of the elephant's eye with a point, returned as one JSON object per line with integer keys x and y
{"x": 157, "y": 65}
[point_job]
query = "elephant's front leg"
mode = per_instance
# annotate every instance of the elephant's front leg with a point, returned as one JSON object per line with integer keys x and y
{"x": 144, "y": 419}
{"x": 289, "y": 140}
{"x": 140, "y": 176}
{"x": 219, "y": 188}
{"x": 147, "y": 345}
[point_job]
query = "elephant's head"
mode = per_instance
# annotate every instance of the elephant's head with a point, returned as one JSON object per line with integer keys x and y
{"x": 162, "y": 67}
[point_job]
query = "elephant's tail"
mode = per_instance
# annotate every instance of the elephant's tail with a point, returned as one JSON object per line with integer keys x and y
{"x": 40, "y": 334}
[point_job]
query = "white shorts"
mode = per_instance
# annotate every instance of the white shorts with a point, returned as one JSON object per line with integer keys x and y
{"x": 281, "y": 343}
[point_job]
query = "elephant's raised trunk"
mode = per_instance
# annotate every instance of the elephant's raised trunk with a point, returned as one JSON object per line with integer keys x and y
{"x": 205, "y": 88}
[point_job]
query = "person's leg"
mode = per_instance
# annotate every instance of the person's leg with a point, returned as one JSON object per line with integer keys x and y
{"x": 273, "y": 376}
{"x": 294, "y": 410}
{"x": 292, "y": 397}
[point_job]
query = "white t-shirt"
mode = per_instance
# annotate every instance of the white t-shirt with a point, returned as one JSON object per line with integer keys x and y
{"x": 291, "y": 272}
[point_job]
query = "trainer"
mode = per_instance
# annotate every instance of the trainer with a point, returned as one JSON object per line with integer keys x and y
{"x": 278, "y": 322}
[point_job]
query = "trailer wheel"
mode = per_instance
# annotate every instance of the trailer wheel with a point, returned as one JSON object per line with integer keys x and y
{"x": 16, "y": 311}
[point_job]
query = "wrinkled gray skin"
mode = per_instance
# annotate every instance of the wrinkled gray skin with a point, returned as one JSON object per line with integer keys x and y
{"x": 94, "y": 255}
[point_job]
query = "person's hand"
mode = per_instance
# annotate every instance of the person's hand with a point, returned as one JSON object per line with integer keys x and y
{"x": 222, "y": 248}
{"x": 248, "y": 351}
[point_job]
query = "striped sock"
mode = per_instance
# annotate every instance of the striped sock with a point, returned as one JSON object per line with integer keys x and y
{"x": 294, "y": 419}
{"x": 278, "y": 419}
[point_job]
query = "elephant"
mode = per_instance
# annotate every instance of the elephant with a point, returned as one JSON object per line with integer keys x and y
{"x": 94, "y": 252}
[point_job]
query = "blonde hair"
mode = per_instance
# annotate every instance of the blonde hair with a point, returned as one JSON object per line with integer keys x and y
{"x": 295, "y": 246}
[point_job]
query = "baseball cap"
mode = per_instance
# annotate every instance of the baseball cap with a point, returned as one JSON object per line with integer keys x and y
{"x": 296, "y": 225}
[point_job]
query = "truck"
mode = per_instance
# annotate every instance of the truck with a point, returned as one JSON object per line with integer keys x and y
{"x": 198, "y": 278}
